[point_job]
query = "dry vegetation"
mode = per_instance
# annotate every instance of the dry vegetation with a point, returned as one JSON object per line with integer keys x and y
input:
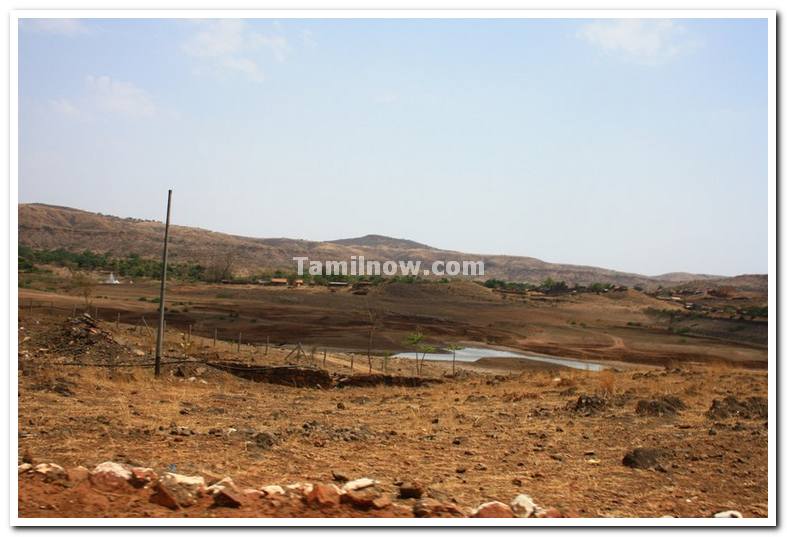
{"x": 558, "y": 435}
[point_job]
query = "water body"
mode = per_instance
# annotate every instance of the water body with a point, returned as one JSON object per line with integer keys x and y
{"x": 471, "y": 354}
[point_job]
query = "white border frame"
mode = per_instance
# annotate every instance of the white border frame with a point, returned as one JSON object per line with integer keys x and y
{"x": 770, "y": 15}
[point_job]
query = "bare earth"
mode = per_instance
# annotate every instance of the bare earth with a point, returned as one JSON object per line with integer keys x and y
{"x": 493, "y": 431}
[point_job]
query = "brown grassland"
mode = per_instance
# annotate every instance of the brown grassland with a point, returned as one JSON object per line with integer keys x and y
{"x": 496, "y": 429}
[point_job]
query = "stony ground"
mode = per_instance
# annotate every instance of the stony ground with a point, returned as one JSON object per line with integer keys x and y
{"x": 559, "y": 436}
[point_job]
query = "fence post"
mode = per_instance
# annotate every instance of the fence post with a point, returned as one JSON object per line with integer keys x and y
{"x": 239, "y": 340}
{"x": 267, "y": 341}
{"x": 215, "y": 333}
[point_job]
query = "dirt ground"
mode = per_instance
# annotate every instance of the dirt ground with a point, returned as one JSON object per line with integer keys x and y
{"x": 559, "y": 435}
{"x": 624, "y": 326}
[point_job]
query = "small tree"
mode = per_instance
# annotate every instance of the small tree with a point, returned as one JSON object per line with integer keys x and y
{"x": 425, "y": 349}
{"x": 414, "y": 340}
{"x": 372, "y": 327}
{"x": 84, "y": 285}
{"x": 453, "y": 347}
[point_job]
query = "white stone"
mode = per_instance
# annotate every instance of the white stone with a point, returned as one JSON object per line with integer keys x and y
{"x": 25, "y": 467}
{"x": 113, "y": 468}
{"x": 358, "y": 484}
{"x": 728, "y": 514}
{"x": 523, "y": 506}
{"x": 270, "y": 490}
{"x": 220, "y": 485}
{"x": 303, "y": 488}
{"x": 47, "y": 468}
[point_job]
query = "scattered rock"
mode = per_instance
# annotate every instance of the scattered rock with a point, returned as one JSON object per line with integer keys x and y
{"x": 51, "y": 472}
{"x": 360, "y": 499}
{"x": 339, "y": 476}
{"x": 523, "y": 506}
{"x": 492, "y": 510}
{"x": 176, "y": 491}
{"x": 411, "y": 489}
{"x": 109, "y": 476}
{"x": 142, "y": 477}
{"x": 431, "y": 508}
{"x": 667, "y": 405}
{"x": 644, "y": 458}
{"x": 381, "y": 502}
{"x": 728, "y": 514}
{"x": 78, "y": 474}
{"x": 225, "y": 482}
{"x": 25, "y": 467}
{"x": 228, "y": 496}
{"x": 589, "y": 404}
{"x": 265, "y": 440}
{"x": 272, "y": 490}
{"x": 358, "y": 484}
{"x": 751, "y": 408}
{"x": 324, "y": 495}
{"x": 549, "y": 513}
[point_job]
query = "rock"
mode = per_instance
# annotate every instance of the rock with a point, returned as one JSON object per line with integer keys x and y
{"x": 411, "y": 489}
{"x": 644, "y": 458}
{"x": 51, "y": 471}
{"x": 272, "y": 490}
{"x": 339, "y": 476}
{"x": 667, "y": 405}
{"x": 728, "y": 514}
{"x": 109, "y": 476}
{"x": 459, "y": 440}
{"x": 358, "y": 484}
{"x": 78, "y": 474}
{"x": 589, "y": 404}
{"x": 360, "y": 499}
{"x": 265, "y": 440}
{"x": 228, "y": 496}
{"x": 341, "y": 406}
{"x": 24, "y": 467}
{"x": 253, "y": 493}
{"x": 431, "y": 508}
{"x": 302, "y": 488}
{"x": 549, "y": 513}
{"x": 523, "y": 506}
{"x": 142, "y": 477}
{"x": 223, "y": 483}
{"x": 381, "y": 502}
{"x": 730, "y": 407}
{"x": 324, "y": 495}
{"x": 176, "y": 491}
{"x": 492, "y": 510}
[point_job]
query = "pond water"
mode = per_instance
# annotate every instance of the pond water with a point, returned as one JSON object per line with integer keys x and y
{"x": 471, "y": 354}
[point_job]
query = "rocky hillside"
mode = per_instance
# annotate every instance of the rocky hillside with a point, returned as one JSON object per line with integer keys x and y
{"x": 49, "y": 227}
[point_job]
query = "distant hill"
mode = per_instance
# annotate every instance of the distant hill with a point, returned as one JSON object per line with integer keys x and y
{"x": 49, "y": 227}
{"x": 381, "y": 241}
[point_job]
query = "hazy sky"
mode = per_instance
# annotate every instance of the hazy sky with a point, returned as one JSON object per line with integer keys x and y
{"x": 633, "y": 145}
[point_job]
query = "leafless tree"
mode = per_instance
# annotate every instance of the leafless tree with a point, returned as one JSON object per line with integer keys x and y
{"x": 83, "y": 284}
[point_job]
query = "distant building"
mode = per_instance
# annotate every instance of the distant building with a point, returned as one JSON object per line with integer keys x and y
{"x": 111, "y": 279}
{"x": 279, "y": 281}
{"x": 297, "y": 283}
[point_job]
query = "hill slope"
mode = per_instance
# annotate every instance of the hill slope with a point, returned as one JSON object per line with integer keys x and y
{"x": 49, "y": 227}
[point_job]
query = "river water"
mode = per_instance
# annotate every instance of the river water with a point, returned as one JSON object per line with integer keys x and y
{"x": 471, "y": 354}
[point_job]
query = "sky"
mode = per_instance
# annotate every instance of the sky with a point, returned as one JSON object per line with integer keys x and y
{"x": 635, "y": 145}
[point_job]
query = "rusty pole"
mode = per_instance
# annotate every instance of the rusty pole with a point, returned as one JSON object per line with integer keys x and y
{"x": 160, "y": 337}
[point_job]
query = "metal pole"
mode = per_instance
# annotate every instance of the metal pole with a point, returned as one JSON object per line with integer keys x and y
{"x": 160, "y": 337}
